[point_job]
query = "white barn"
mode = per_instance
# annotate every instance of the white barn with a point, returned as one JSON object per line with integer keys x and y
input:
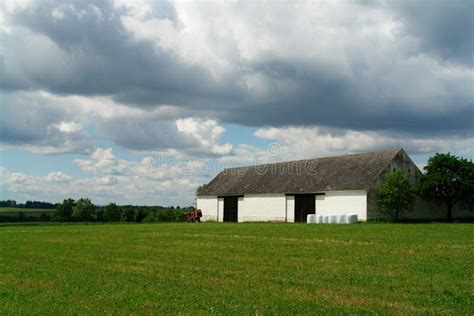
{"x": 289, "y": 191}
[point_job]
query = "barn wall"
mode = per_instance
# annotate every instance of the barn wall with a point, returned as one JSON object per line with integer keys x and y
{"x": 208, "y": 206}
{"x": 342, "y": 202}
{"x": 220, "y": 209}
{"x": 290, "y": 208}
{"x": 262, "y": 207}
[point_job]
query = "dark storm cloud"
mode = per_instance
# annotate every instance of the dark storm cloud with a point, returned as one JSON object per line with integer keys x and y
{"x": 93, "y": 54}
{"x": 27, "y": 121}
{"x": 144, "y": 134}
{"x": 445, "y": 28}
{"x": 102, "y": 60}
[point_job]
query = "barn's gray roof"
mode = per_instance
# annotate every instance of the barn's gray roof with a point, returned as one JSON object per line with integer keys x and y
{"x": 348, "y": 172}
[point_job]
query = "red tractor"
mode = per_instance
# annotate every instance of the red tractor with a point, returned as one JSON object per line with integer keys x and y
{"x": 194, "y": 215}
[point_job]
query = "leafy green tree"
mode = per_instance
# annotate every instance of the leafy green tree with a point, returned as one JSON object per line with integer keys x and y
{"x": 395, "y": 195}
{"x": 99, "y": 214}
{"x": 112, "y": 213}
{"x": 83, "y": 210}
{"x": 141, "y": 213}
{"x": 449, "y": 180}
{"x": 63, "y": 212}
{"x": 127, "y": 214}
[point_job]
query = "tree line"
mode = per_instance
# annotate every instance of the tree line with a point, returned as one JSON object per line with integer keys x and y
{"x": 28, "y": 204}
{"x": 83, "y": 210}
{"x": 448, "y": 180}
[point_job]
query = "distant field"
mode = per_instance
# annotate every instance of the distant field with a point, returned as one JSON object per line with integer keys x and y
{"x": 237, "y": 268}
{"x": 14, "y": 211}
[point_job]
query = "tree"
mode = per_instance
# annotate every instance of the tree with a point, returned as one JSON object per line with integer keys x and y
{"x": 112, "y": 213}
{"x": 141, "y": 213}
{"x": 396, "y": 195}
{"x": 449, "y": 180}
{"x": 127, "y": 214}
{"x": 83, "y": 210}
{"x": 63, "y": 212}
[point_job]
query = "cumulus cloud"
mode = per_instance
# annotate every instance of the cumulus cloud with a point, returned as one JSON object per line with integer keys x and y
{"x": 47, "y": 123}
{"x": 307, "y": 142}
{"x": 205, "y": 132}
{"x": 58, "y": 177}
{"x": 104, "y": 161}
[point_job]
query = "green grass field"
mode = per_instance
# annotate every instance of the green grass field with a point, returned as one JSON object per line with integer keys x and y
{"x": 14, "y": 211}
{"x": 237, "y": 268}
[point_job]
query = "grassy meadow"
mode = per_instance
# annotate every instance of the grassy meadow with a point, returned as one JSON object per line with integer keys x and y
{"x": 250, "y": 268}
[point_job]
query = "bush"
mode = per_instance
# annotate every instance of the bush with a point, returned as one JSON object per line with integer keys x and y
{"x": 164, "y": 215}
{"x": 44, "y": 217}
{"x": 170, "y": 215}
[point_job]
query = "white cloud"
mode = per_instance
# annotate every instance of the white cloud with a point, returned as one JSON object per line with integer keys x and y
{"x": 206, "y": 132}
{"x": 51, "y": 124}
{"x": 308, "y": 142}
{"x": 69, "y": 127}
{"x": 58, "y": 177}
{"x": 103, "y": 161}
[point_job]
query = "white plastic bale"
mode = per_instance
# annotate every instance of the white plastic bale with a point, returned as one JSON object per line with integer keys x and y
{"x": 325, "y": 219}
{"x": 333, "y": 219}
{"x": 353, "y": 218}
{"x": 338, "y": 219}
{"x": 319, "y": 219}
{"x": 342, "y": 219}
{"x": 311, "y": 219}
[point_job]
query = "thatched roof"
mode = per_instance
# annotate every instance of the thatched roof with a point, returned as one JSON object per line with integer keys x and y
{"x": 348, "y": 172}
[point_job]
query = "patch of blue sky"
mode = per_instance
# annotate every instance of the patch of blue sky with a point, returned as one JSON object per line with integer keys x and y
{"x": 236, "y": 135}
{"x": 21, "y": 160}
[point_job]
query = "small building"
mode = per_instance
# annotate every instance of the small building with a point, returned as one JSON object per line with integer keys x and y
{"x": 289, "y": 191}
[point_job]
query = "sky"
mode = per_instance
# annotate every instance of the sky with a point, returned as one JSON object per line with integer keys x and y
{"x": 140, "y": 102}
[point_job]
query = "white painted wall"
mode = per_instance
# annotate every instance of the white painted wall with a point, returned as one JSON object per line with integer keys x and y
{"x": 290, "y": 208}
{"x": 278, "y": 207}
{"x": 220, "y": 209}
{"x": 208, "y": 206}
{"x": 342, "y": 202}
{"x": 262, "y": 207}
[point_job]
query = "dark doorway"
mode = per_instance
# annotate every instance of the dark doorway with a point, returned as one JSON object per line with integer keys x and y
{"x": 231, "y": 208}
{"x": 304, "y": 204}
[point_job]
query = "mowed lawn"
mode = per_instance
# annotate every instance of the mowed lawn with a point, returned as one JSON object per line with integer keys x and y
{"x": 237, "y": 268}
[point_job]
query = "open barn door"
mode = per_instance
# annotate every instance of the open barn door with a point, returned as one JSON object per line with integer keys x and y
{"x": 304, "y": 204}
{"x": 231, "y": 204}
